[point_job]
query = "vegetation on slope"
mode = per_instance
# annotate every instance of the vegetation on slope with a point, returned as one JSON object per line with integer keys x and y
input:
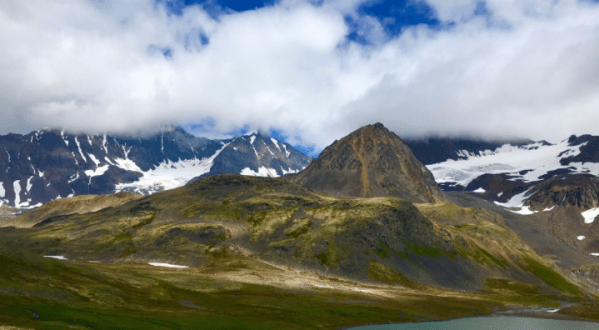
{"x": 225, "y": 225}
{"x": 278, "y": 221}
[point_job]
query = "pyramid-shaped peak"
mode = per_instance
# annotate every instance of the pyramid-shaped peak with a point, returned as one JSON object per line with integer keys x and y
{"x": 370, "y": 162}
{"x": 374, "y": 128}
{"x": 374, "y": 131}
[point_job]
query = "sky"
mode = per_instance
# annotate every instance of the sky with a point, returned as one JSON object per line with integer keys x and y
{"x": 308, "y": 71}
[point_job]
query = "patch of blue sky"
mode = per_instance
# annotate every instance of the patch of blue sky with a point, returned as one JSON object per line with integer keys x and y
{"x": 207, "y": 128}
{"x": 215, "y": 8}
{"x": 395, "y": 15}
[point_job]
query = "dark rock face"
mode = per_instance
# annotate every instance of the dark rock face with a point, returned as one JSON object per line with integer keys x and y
{"x": 370, "y": 162}
{"x": 579, "y": 190}
{"x": 589, "y": 150}
{"x": 260, "y": 155}
{"x": 432, "y": 150}
{"x": 48, "y": 164}
{"x": 498, "y": 187}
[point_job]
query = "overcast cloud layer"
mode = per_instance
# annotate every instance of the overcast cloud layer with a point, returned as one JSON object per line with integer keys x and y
{"x": 523, "y": 68}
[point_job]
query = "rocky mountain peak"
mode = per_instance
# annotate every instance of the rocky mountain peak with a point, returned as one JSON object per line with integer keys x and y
{"x": 581, "y": 190}
{"x": 44, "y": 165}
{"x": 370, "y": 162}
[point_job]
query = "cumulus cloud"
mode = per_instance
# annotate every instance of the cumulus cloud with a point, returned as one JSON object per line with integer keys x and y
{"x": 516, "y": 68}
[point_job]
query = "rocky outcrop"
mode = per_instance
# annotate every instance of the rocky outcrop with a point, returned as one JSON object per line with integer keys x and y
{"x": 370, "y": 162}
{"x": 579, "y": 190}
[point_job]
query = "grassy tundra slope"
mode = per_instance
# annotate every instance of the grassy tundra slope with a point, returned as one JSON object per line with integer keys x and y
{"x": 231, "y": 292}
{"x": 280, "y": 222}
{"x": 338, "y": 244}
{"x": 267, "y": 253}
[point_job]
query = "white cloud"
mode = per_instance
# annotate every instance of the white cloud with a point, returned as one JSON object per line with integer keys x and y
{"x": 89, "y": 65}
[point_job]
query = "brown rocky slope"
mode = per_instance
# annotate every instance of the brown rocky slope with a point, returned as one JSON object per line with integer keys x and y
{"x": 370, "y": 162}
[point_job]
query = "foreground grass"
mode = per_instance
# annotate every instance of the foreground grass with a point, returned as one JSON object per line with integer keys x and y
{"x": 135, "y": 296}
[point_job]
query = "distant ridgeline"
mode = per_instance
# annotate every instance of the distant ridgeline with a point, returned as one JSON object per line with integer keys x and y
{"x": 433, "y": 150}
{"x": 511, "y": 172}
{"x": 48, "y": 164}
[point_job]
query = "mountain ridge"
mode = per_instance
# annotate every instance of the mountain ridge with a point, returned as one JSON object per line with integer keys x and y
{"x": 555, "y": 184}
{"x": 260, "y": 230}
{"x": 47, "y": 164}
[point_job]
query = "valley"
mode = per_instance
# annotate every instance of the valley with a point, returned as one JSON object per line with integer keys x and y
{"x": 363, "y": 235}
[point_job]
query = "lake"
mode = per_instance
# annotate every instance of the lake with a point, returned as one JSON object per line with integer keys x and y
{"x": 489, "y": 323}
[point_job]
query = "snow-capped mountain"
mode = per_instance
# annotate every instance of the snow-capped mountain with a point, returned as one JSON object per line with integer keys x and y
{"x": 510, "y": 173}
{"x": 258, "y": 154}
{"x": 48, "y": 164}
{"x": 557, "y": 185}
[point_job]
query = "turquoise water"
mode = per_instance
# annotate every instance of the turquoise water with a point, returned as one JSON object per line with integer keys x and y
{"x": 489, "y": 323}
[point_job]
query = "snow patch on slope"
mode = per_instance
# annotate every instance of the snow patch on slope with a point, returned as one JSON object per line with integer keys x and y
{"x": 74, "y": 177}
{"x": 17, "y": 188}
{"x": 275, "y": 142}
{"x": 29, "y": 185}
{"x": 167, "y": 175}
{"x": 289, "y": 171}
{"x": 56, "y": 257}
{"x": 80, "y": 151}
{"x": 97, "y": 172}
{"x": 94, "y": 159}
{"x": 126, "y": 151}
{"x": 65, "y": 140}
{"x": 516, "y": 204}
{"x": 287, "y": 152}
{"x": 262, "y": 171}
{"x": 104, "y": 140}
{"x": 255, "y": 152}
{"x": 163, "y": 264}
{"x": 525, "y": 210}
{"x": 589, "y": 215}
{"x": 268, "y": 148}
{"x": 127, "y": 164}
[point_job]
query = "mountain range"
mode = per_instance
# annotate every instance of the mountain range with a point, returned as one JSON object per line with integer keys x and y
{"x": 365, "y": 225}
{"x": 48, "y": 164}
{"x": 556, "y": 184}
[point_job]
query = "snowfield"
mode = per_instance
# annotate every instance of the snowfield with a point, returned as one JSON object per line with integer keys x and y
{"x": 167, "y": 175}
{"x": 535, "y": 158}
{"x": 529, "y": 163}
